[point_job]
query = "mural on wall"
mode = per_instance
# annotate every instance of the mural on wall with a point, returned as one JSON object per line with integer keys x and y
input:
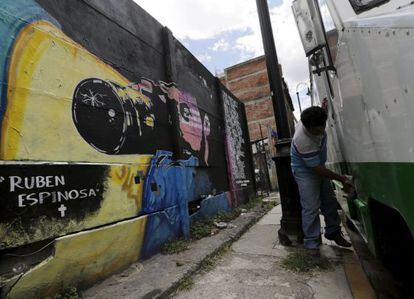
{"x": 235, "y": 141}
{"x": 88, "y": 145}
{"x": 124, "y": 116}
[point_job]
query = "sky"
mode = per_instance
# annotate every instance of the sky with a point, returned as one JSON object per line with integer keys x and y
{"x": 222, "y": 33}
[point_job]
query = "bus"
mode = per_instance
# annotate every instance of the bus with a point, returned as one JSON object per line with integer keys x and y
{"x": 361, "y": 59}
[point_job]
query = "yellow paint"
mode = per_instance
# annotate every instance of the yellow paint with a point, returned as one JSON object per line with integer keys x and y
{"x": 121, "y": 200}
{"x": 44, "y": 70}
{"x": 125, "y": 175}
{"x": 84, "y": 258}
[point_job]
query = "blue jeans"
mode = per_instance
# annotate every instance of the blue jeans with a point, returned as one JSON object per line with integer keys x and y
{"x": 316, "y": 193}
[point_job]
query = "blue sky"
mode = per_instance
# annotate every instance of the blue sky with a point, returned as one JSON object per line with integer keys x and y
{"x": 221, "y": 33}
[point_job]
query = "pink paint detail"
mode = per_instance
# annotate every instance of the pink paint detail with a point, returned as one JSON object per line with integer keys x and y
{"x": 192, "y": 127}
{"x": 189, "y": 117}
{"x": 206, "y": 131}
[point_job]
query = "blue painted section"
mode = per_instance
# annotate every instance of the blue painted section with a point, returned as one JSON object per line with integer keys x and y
{"x": 168, "y": 182}
{"x": 168, "y": 187}
{"x": 161, "y": 227}
{"x": 213, "y": 205}
{"x": 15, "y": 15}
{"x": 203, "y": 185}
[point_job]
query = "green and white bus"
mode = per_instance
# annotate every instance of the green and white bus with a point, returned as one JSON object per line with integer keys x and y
{"x": 361, "y": 58}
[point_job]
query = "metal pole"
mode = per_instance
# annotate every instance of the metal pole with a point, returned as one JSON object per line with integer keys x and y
{"x": 265, "y": 161}
{"x": 273, "y": 70}
{"x": 300, "y": 108}
{"x": 291, "y": 210}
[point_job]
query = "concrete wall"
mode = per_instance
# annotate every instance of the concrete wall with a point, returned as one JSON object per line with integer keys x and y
{"x": 110, "y": 129}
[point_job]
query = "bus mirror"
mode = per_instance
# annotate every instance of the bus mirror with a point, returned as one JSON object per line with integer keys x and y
{"x": 309, "y": 25}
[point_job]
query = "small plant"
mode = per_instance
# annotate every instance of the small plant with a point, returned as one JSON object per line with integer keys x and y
{"x": 303, "y": 262}
{"x": 185, "y": 284}
{"x": 175, "y": 246}
{"x": 252, "y": 203}
{"x": 69, "y": 293}
{"x": 201, "y": 229}
{"x": 227, "y": 217}
{"x": 205, "y": 228}
{"x": 209, "y": 262}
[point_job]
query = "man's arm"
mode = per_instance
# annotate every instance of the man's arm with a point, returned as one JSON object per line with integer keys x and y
{"x": 324, "y": 172}
{"x": 348, "y": 187}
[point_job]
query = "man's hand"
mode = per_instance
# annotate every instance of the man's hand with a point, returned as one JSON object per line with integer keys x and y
{"x": 324, "y": 104}
{"x": 348, "y": 187}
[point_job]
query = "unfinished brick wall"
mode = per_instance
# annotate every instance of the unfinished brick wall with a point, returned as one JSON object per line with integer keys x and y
{"x": 249, "y": 82}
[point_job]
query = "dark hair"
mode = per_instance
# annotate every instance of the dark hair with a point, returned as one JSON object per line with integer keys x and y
{"x": 314, "y": 117}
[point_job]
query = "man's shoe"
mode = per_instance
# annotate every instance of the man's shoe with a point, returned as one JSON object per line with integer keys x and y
{"x": 339, "y": 239}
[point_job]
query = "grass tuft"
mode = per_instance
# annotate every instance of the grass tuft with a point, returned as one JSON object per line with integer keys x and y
{"x": 69, "y": 293}
{"x": 175, "y": 246}
{"x": 185, "y": 284}
{"x": 201, "y": 229}
{"x": 205, "y": 228}
{"x": 302, "y": 262}
{"x": 209, "y": 262}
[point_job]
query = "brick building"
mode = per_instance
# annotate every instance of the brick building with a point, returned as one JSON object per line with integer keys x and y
{"x": 249, "y": 82}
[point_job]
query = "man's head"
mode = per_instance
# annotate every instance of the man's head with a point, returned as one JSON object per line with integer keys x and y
{"x": 314, "y": 119}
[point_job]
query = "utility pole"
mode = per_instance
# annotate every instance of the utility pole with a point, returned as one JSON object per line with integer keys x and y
{"x": 291, "y": 224}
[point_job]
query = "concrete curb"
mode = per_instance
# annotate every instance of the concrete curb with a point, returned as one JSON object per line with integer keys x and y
{"x": 161, "y": 275}
{"x": 196, "y": 269}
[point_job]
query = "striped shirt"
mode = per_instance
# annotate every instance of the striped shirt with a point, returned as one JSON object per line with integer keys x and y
{"x": 307, "y": 150}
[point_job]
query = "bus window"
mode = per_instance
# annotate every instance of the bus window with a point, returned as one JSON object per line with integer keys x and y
{"x": 363, "y": 5}
{"x": 331, "y": 31}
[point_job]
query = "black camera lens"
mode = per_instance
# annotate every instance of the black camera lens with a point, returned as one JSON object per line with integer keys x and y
{"x": 99, "y": 115}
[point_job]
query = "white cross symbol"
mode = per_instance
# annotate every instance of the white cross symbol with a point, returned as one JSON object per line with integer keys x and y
{"x": 62, "y": 210}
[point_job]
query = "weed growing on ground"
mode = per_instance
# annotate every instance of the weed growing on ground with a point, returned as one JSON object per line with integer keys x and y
{"x": 303, "y": 262}
{"x": 227, "y": 217}
{"x": 204, "y": 228}
{"x": 201, "y": 229}
{"x": 69, "y": 293}
{"x": 174, "y": 246}
{"x": 185, "y": 284}
{"x": 209, "y": 262}
{"x": 251, "y": 203}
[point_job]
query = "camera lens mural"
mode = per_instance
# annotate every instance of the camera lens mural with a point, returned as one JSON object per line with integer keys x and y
{"x": 110, "y": 131}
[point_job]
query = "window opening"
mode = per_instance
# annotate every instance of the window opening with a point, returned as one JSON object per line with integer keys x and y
{"x": 364, "y": 5}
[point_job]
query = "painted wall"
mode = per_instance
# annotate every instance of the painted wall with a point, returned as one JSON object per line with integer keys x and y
{"x": 110, "y": 130}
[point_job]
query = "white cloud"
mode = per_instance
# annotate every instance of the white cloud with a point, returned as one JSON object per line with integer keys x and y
{"x": 196, "y": 19}
{"x": 288, "y": 45}
{"x": 220, "y": 45}
{"x": 204, "y": 58}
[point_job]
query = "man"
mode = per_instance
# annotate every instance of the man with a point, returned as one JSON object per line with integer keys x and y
{"x": 309, "y": 155}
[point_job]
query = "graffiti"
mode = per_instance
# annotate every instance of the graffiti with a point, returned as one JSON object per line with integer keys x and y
{"x": 130, "y": 178}
{"x": 121, "y": 116}
{"x": 52, "y": 191}
{"x": 124, "y": 116}
{"x": 17, "y": 182}
{"x": 89, "y": 145}
{"x": 212, "y": 205}
{"x": 234, "y": 139}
